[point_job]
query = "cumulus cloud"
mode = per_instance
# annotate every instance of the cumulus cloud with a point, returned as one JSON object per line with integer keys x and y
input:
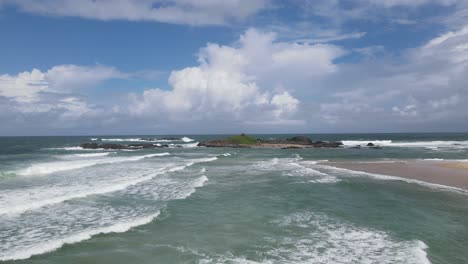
{"x": 192, "y": 12}
{"x": 263, "y": 82}
{"x": 48, "y": 100}
{"x": 23, "y": 87}
{"x": 254, "y": 78}
{"x": 27, "y": 86}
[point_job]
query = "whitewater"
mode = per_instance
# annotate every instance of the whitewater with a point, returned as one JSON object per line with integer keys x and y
{"x": 63, "y": 204}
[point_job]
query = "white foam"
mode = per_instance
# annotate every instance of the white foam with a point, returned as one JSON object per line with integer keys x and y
{"x": 364, "y": 142}
{"x": 200, "y": 181}
{"x": 186, "y": 139}
{"x": 411, "y": 144}
{"x": 183, "y": 139}
{"x": 56, "y": 166}
{"x": 276, "y": 163}
{"x": 34, "y": 200}
{"x": 75, "y": 148}
{"x": 296, "y": 167}
{"x": 318, "y": 239}
{"x": 333, "y": 241}
{"x": 50, "y": 227}
{"x": 190, "y": 163}
{"x": 92, "y": 155}
{"x": 20, "y": 201}
{"x": 191, "y": 145}
{"x": 205, "y": 159}
{"x": 348, "y": 172}
{"x": 125, "y": 140}
{"x": 48, "y": 246}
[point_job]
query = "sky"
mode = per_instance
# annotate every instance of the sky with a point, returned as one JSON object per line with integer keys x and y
{"x": 102, "y": 67}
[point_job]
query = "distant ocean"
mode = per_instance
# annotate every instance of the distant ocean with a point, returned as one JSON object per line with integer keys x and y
{"x": 63, "y": 204}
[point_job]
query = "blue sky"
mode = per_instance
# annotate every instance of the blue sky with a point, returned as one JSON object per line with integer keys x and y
{"x": 260, "y": 66}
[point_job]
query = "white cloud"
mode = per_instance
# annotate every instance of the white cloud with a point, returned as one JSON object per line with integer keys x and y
{"x": 192, "y": 12}
{"x": 260, "y": 81}
{"x": 252, "y": 78}
{"x": 69, "y": 77}
{"x": 27, "y": 86}
{"x": 391, "y": 3}
{"x": 50, "y": 93}
{"x": 284, "y": 103}
{"x": 401, "y": 12}
{"x": 422, "y": 88}
{"x": 23, "y": 87}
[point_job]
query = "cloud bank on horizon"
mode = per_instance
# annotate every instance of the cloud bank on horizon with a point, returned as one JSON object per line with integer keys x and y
{"x": 262, "y": 66}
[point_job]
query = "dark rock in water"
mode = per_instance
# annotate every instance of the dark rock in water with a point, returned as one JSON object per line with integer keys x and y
{"x": 122, "y": 146}
{"x": 148, "y": 139}
{"x": 111, "y": 146}
{"x": 293, "y": 147}
{"x": 327, "y": 144}
{"x": 90, "y": 145}
{"x": 169, "y": 138}
{"x": 296, "y": 142}
{"x": 376, "y": 147}
{"x": 221, "y": 144}
{"x": 164, "y": 138}
{"x": 145, "y": 146}
{"x": 370, "y": 144}
{"x": 300, "y": 140}
{"x": 103, "y": 146}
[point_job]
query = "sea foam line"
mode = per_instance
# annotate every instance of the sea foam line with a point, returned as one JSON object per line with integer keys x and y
{"x": 414, "y": 144}
{"x": 87, "y": 234}
{"x": 49, "y": 246}
{"x": 433, "y": 186}
{"x": 334, "y": 241}
{"x": 51, "y": 167}
{"x": 22, "y": 208}
{"x": 183, "y": 139}
{"x": 93, "y": 155}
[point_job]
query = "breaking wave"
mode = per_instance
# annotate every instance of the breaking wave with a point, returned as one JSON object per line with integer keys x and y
{"x": 354, "y": 173}
{"x": 183, "y": 139}
{"x": 48, "y": 246}
{"x": 411, "y": 144}
{"x": 56, "y": 166}
{"x": 30, "y": 233}
{"x": 332, "y": 241}
{"x": 297, "y": 167}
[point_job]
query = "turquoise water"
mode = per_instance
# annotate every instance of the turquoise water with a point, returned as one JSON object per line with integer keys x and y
{"x": 62, "y": 204}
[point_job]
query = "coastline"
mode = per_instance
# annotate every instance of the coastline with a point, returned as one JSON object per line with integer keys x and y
{"x": 448, "y": 173}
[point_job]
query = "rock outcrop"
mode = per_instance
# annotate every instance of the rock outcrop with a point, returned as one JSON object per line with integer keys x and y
{"x": 296, "y": 142}
{"x": 240, "y": 141}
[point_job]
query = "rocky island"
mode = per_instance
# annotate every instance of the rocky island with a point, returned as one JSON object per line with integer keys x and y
{"x": 239, "y": 141}
{"x": 245, "y": 141}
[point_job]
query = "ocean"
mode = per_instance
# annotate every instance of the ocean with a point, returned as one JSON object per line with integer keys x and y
{"x": 63, "y": 204}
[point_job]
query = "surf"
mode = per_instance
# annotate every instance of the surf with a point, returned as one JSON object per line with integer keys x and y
{"x": 57, "y": 166}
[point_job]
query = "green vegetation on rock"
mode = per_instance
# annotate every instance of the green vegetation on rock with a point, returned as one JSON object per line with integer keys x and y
{"x": 241, "y": 139}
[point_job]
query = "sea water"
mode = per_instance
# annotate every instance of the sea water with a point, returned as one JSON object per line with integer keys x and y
{"x": 63, "y": 204}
